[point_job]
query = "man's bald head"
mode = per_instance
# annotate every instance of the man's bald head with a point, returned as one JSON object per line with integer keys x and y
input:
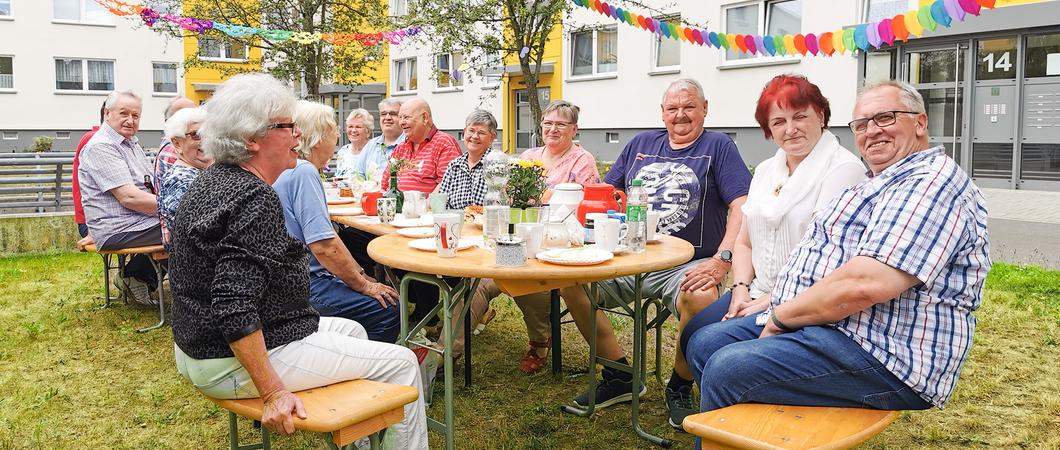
{"x": 177, "y": 104}
{"x": 415, "y": 119}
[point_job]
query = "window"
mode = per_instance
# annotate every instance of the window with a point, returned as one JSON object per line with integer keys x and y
{"x": 594, "y": 51}
{"x": 7, "y": 72}
{"x": 493, "y": 69}
{"x": 878, "y": 66}
{"x": 399, "y": 7}
{"x": 667, "y": 52}
{"x": 81, "y": 11}
{"x": 84, "y": 75}
{"x": 405, "y": 75}
{"x": 165, "y": 77}
{"x": 10, "y": 135}
{"x": 611, "y": 138}
{"x": 5, "y": 7}
{"x": 877, "y": 10}
{"x": 996, "y": 59}
{"x": 62, "y": 135}
{"x": 447, "y": 70}
{"x": 771, "y": 18}
{"x": 215, "y": 49}
{"x": 1043, "y": 56}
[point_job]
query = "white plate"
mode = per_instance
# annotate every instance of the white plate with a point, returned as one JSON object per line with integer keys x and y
{"x": 373, "y": 220}
{"x": 427, "y": 245}
{"x": 423, "y": 221}
{"x": 346, "y": 211}
{"x": 578, "y": 256}
{"x": 417, "y": 232}
{"x": 341, "y": 201}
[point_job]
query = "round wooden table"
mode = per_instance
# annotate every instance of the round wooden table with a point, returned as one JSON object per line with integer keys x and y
{"x": 470, "y": 265}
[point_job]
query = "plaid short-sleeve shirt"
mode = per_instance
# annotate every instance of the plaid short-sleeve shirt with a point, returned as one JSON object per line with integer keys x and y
{"x": 922, "y": 216}
{"x": 109, "y": 160}
{"x": 464, "y": 185}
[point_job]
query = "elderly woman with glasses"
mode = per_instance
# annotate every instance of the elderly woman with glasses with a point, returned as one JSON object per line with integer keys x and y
{"x": 182, "y": 130}
{"x": 807, "y": 171}
{"x": 338, "y": 286}
{"x": 242, "y": 323}
{"x": 359, "y": 127}
{"x": 565, "y": 161}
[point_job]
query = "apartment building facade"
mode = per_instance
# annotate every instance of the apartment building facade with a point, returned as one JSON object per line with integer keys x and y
{"x": 60, "y": 58}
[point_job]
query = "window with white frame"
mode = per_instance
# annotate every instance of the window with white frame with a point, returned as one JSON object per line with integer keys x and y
{"x": 447, "y": 70}
{"x": 405, "y": 75}
{"x": 165, "y": 77}
{"x": 877, "y": 10}
{"x": 82, "y": 11}
{"x": 594, "y": 51}
{"x": 84, "y": 75}
{"x": 7, "y": 72}
{"x": 493, "y": 69}
{"x": 5, "y": 7}
{"x": 399, "y": 8}
{"x": 217, "y": 50}
{"x": 611, "y": 137}
{"x": 10, "y": 135}
{"x": 666, "y": 51}
{"x": 62, "y": 135}
{"x": 772, "y": 18}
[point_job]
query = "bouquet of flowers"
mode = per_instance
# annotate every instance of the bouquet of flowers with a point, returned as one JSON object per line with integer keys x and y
{"x": 526, "y": 183}
{"x": 396, "y": 165}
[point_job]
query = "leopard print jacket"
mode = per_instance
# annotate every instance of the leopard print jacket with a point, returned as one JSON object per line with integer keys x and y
{"x": 233, "y": 267}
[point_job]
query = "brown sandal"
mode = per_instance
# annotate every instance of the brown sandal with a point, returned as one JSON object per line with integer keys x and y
{"x": 531, "y": 363}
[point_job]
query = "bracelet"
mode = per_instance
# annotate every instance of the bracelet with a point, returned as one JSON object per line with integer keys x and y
{"x": 776, "y": 321}
{"x": 741, "y": 283}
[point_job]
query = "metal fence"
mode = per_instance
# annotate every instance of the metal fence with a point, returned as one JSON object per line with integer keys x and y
{"x": 36, "y": 182}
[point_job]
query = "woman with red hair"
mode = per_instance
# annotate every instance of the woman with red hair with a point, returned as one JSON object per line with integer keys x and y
{"x": 808, "y": 170}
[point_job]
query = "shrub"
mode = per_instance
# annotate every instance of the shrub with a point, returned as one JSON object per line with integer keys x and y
{"x": 43, "y": 144}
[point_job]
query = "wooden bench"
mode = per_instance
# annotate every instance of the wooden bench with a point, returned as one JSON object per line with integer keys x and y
{"x": 773, "y": 427}
{"x": 157, "y": 253}
{"x": 349, "y": 410}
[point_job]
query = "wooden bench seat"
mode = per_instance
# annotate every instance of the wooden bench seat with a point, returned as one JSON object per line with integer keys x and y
{"x": 349, "y": 410}
{"x": 146, "y": 250}
{"x": 773, "y": 427}
{"x": 157, "y": 253}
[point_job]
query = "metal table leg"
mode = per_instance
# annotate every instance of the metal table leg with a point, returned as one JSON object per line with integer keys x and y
{"x": 557, "y": 336}
{"x": 161, "y": 298}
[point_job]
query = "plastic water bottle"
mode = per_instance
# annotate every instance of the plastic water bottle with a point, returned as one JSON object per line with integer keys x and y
{"x": 636, "y": 216}
{"x": 495, "y": 202}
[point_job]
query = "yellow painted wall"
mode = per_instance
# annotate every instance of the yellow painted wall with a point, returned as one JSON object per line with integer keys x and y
{"x": 514, "y": 82}
{"x": 211, "y": 76}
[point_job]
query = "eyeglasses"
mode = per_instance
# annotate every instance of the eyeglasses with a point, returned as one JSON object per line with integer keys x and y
{"x": 882, "y": 120}
{"x": 193, "y": 136}
{"x": 557, "y": 125}
{"x": 272, "y": 126}
{"x": 388, "y": 113}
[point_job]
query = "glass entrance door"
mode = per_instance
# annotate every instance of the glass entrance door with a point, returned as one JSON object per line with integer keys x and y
{"x": 525, "y": 136}
{"x": 938, "y": 73}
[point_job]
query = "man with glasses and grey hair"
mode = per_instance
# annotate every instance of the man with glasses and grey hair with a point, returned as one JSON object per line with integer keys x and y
{"x": 874, "y": 307}
{"x": 117, "y": 193}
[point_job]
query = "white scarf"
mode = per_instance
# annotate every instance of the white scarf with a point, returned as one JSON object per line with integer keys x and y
{"x": 801, "y": 183}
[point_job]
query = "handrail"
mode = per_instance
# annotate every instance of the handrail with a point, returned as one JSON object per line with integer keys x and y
{"x": 40, "y": 182}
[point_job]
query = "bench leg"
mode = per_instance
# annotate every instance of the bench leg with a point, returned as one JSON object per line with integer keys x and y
{"x": 161, "y": 304}
{"x": 233, "y": 436}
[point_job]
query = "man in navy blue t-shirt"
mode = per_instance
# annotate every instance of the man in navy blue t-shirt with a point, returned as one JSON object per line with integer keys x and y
{"x": 697, "y": 180}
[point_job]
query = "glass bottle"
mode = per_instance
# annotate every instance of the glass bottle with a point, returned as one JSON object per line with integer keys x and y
{"x": 394, "y": 192}
{"x": 495, "y": 202}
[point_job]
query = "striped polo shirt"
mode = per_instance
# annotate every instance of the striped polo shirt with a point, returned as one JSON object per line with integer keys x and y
{"x": 922, "y": 216}
{"x": 429, "y": 161}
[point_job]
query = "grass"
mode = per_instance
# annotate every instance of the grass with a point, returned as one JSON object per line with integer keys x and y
{"x": 73, "y": 375}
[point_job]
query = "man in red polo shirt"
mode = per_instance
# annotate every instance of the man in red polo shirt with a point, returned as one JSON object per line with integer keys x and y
{"x": 429, "y": 150}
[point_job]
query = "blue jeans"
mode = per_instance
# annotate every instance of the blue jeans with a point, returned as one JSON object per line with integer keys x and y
{"x": 814, "y": 366}
{"x": 710, "y": 315}
{"x": 330, "y": 296}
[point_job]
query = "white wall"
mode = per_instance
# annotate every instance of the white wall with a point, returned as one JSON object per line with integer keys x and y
{"x": 631, "y": 99}
{"x": 449, "y": 106}
{"x": 34, "y": 39}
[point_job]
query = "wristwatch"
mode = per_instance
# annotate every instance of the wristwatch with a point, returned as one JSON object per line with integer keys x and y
{"x": 725, "y": 256}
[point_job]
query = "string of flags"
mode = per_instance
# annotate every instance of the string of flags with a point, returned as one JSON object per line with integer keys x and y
{"x": 150, "y": 17}
{"x": 863, "y": 37}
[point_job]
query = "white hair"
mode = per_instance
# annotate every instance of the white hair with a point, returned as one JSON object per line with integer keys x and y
{"x": 177, "y": 125}
{"x": 242, "y": 108}
{"x": 315, "y": 120}
{"x": 686, "y": 84}
{"x": 366, "y": 118}
{"x": 482, "y": 117}
{"x": 114, "y": 96}
{"x": 910, "y": 97}
{"x": 391, "y": 102}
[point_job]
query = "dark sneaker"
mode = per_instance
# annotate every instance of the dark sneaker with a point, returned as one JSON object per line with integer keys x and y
{"x": 610, "y": 392}
{"x": 680, "y": 403}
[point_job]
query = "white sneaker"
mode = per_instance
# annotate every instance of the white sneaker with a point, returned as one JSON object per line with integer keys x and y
{"x": 136, "y": 292}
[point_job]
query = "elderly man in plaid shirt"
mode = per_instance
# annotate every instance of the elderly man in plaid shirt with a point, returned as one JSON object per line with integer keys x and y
{"x": 874, "y": 308}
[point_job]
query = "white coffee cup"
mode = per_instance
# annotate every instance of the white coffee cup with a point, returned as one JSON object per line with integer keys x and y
{"x": 533, "y": 234}
{"x": 595, "y": 217}
{"x": 653, "y": 224}
{"x": 609, "y": 232}
{"x": 447, "y": 234}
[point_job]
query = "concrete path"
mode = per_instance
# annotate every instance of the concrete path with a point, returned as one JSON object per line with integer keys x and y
{"x": 1024, "y": 226}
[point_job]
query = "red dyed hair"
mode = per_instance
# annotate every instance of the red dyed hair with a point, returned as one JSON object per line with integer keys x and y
{"x": 790, "y": 91}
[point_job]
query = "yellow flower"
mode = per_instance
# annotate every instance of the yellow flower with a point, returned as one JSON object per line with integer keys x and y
{"x": 539, "y": 163}
{"x": 525, "y": 164}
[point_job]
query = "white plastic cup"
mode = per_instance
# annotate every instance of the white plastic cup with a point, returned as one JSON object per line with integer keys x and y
{"x": 438, "y": 201}
{"x": 447, "y": 234}
{"x": 609, "y": 232}
{"x": 387, "y": 208}
{"x": 533, "y": 234}
{"x": 653, "y": 224}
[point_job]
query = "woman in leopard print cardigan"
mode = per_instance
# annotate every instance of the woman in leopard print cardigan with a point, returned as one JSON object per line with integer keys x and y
{"x": 242, "y": 323}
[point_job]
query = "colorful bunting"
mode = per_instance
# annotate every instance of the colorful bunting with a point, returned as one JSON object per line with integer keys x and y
{"x": 151, "y": 17}
{"x": 861, "y": 37}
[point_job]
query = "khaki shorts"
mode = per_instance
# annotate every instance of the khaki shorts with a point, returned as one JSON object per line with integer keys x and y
{"x": 663, "y": 284}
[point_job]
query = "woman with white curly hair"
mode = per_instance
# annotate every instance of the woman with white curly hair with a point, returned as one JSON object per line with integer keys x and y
{"x": 242, "y": 323}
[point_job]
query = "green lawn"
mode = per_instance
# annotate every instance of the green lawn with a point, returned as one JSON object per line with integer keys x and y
{"x": 73, "y": 375}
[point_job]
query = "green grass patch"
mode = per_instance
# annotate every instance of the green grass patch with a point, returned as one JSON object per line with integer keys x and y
{"x": 74, "y": 375}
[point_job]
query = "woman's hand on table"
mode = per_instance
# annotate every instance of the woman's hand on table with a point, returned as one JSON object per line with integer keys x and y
{"x": 279, "y": 411}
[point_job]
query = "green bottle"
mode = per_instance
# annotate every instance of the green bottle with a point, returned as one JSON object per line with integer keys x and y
{"x": 394, "y": 192}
